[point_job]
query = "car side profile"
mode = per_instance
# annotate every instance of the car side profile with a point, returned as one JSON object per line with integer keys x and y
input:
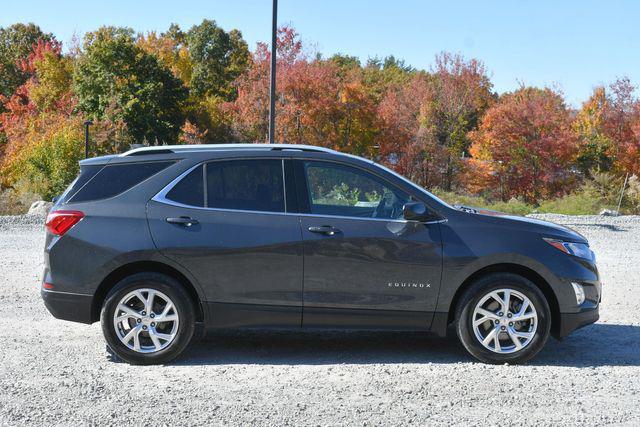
{"x": 159, "y": 242}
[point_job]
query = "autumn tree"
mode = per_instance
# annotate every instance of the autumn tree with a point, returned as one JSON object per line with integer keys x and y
{"x": 595, "y": 146}
{"x": 632, "y": 149}
{"x": 48, "y": 89}
{"x": 621, "y": 126}
{"x": 606, "y": 127}
{"x": 171, "y": 50}
{"x": 402, "y": 145}
{"x": 318, "y": 101}
{"x": 437, "y": 110}
{"x": 44, "y": 136}
{"x": 526, "y": 144}
{"x": 16, "y": 42}
{"x": 208, "y": 60}
{"x": 115, "y": 79}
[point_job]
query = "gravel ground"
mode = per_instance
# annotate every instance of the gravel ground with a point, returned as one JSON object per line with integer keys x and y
{"x": 58, "y": 373}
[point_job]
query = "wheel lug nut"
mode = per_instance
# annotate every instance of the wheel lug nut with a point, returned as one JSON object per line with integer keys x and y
{"x": 144, "y": 328}
{"x": 509, "y": 315}
{"x": 153, "y": 315}
{"x": 510, "y": 323}
{"x": 139, "y": 320}
{"x": 497, "y": 321}
{"x": 503, "y": 328}
{"x": 144, "y": 313}
{"x": 501, "y": 314}
{"x": 153, "y": 324}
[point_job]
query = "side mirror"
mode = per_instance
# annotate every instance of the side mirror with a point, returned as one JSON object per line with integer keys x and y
{"x": 417, "y": 211}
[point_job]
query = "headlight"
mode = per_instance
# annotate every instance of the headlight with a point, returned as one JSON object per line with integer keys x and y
{"x": 581, "y": 250}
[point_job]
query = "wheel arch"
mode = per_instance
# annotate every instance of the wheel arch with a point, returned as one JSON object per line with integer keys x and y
{"x": 144, "y": 267}
{"x": 521, "y": 270}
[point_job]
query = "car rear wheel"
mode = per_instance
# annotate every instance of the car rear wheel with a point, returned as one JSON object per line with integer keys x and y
{"x": 148, "y": 318}
{"x": 503, "y": 318}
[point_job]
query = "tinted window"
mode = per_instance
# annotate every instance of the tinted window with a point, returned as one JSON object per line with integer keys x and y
{"x": 345, "y": 191}
{"x": 254, "y": 185}
{"x": 86, "y": 173}
{"x": 115, "y": 179}
{"x": 190, "y": 190}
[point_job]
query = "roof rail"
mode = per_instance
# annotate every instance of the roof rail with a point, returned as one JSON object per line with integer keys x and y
{"x": 165, "y": 149}
{"x": 145, "y": 152}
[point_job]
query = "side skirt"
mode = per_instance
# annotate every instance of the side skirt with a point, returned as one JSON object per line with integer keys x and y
{"x": 340, "y": 318}
{"x": 236, "y": 316}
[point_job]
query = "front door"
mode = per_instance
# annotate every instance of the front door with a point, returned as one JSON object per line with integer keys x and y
{"x": 225, "y": 221}
{"x": 364, "y": 265}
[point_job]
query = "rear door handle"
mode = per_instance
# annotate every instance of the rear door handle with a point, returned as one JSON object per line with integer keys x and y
{"x": 327, "y": 230}
{"x": 183, "y": 220}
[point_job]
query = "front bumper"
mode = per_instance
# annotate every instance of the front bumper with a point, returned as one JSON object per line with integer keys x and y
{"x": 68, "y": 306}
{"x": 569, "y": 322}
{"x": 572, "y": 316}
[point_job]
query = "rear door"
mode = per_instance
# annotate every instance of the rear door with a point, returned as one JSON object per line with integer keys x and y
{"x": 364, "y": 265}
{"x": 226, "y": 222}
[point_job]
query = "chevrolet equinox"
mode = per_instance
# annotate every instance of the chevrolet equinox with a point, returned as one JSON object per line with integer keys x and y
{"x": 159, "y": 242}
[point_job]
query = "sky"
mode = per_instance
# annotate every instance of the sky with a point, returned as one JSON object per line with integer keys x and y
{"x": 569, "y": 45}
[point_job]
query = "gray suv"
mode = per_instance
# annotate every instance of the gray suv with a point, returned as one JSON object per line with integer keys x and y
{"x": 158, "y": 243}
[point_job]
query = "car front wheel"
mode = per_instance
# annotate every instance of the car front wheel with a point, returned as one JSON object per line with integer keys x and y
{"x": 503, "y": 318}
{"x": 148, "y": 318}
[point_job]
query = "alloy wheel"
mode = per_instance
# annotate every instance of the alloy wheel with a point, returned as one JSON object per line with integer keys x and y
{"x": 146, "y": 320}
{"x": 504, "y": 321}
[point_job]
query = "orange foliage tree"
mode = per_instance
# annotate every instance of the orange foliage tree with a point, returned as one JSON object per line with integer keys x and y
{"x": 525, "y": 146}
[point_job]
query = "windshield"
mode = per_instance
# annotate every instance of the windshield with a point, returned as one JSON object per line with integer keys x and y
{"x": 414, "y": 185}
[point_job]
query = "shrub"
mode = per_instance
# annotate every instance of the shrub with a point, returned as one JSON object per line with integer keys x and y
{"x": 585, "y": 201}
{"x": 513, "y": 206}
{"x": 16, "y": 202}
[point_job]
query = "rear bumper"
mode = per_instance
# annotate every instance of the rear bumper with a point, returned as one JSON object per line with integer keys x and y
{"x": 569, "y": 322}
{"x": 68, "y": 306}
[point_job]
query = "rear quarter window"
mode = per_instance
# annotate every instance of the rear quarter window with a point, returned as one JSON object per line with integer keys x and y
{"x": 86, "y": 173}
{"x": 112, "y": 180}
{"x": 190, "y": 190}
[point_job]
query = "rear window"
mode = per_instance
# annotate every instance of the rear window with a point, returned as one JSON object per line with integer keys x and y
{"x": 86, "y": 173}
{"x": 190, "y": 189}
{"x": 254, "y": 185}
{"x": 112, "y": 180}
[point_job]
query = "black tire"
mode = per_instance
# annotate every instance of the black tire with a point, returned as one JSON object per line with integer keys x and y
{"x": 473, "y": 295}
{"x": 183, "y": 305}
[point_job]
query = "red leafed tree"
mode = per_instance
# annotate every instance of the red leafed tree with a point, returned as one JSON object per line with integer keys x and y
{"x": 251, "y": 108}
{"x": 401, "y": 144}
{"x": 526, "y": 145}
{"x": 314, "y": 105}
{"x": 47, "y": 89}
{"x": 622, "y": 125}
{"x": 632, "y": 148}
{"x": 426, "y": 121}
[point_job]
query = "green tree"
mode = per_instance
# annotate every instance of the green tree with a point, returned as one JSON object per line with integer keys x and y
{"x": 218, "y": 58}
{"x": 16, "y": 43}
{"x": 115, "y": 79}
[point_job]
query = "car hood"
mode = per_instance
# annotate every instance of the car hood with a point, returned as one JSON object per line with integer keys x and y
{"x": 546, "y": 228}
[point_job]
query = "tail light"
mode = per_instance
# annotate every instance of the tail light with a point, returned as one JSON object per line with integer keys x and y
{"x": 59, "y": 222}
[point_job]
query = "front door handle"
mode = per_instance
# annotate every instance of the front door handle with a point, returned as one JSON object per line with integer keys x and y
{"x": 183, "y": 220}
{"x": 327, "y": 230}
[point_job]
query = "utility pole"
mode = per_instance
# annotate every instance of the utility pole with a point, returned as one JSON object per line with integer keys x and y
{"x": 86, "y": 138}
{"x": 272, "y": 91}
